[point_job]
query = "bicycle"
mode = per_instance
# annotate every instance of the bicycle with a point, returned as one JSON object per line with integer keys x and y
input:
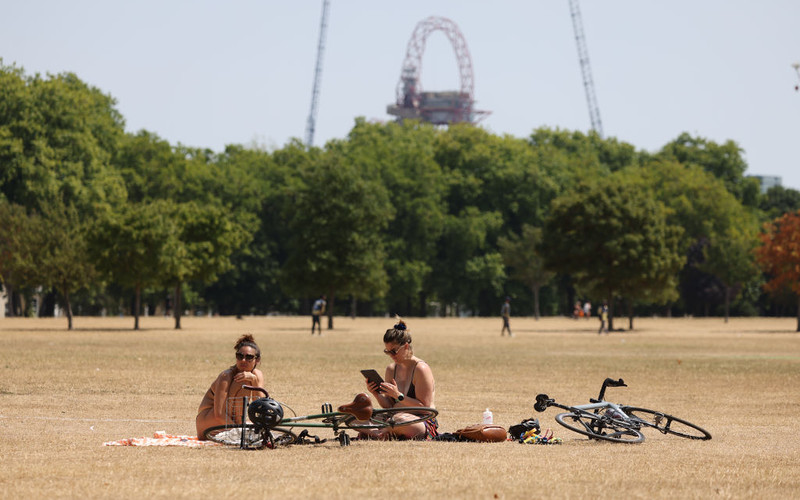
{"x": 617, "y": 422}
{"x": 268, "y": 427}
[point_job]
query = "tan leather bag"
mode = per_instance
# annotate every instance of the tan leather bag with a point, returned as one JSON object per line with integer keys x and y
{"x": 489, "y": 433}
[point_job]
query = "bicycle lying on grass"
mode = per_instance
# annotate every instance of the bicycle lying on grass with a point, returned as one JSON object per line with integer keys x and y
{"x": 268, "y": 427}
{"x": 618, "y": 423}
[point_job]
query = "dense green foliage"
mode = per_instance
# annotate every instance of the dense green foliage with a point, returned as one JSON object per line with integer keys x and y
{"x": 393, "y": 219}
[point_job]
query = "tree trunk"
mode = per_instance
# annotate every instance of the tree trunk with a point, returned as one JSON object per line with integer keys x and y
{"x": 535, "y": 289}
{"x": 136, "y": 303}
{"x": 9, "y": 299}
{"x": 353, "y": 307}
{"x": 611, "y": 313}
{"x": 330, "y": 310}
{"x": 176, "y": 306}
{"x": 68, "y": 306}
{"x": 630, "y": 314}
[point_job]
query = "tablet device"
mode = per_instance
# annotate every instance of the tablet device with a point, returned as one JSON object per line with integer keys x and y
{"x": 372, "y": 376}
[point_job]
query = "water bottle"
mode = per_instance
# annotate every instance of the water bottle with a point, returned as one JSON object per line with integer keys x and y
{"x": 487, "y": 417}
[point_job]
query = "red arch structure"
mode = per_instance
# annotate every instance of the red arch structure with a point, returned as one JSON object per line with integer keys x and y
{"x": 443, "y": 107}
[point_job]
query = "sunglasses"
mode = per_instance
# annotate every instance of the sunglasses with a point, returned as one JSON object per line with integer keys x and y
{"x": 248, "y": 357}
{"x": 392, "y": 352}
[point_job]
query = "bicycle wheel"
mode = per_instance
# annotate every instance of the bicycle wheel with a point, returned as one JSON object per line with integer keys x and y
{"x": 667, "y": 424}
{"x": 254, "y": 437}
{"x": 600, "y": 427}
{"x": 390, "y": 417}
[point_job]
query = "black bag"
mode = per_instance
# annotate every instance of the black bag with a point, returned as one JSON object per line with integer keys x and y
{"x": 517, "y": 431}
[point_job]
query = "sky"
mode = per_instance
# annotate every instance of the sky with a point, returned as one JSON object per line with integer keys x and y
{"x": 212, "y": 73}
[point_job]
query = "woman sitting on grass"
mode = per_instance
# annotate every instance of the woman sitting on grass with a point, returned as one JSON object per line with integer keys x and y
{"x": 213, "y": 409}
{"x": 408, "y": 383}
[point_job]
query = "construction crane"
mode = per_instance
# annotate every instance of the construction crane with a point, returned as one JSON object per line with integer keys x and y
{"x": 586, "y": 70}
{"x": 312, "y": 115}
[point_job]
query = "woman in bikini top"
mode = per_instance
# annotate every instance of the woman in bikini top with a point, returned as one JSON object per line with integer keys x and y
{"x": 214, "y": 408}
{"x": 408, "y": 381}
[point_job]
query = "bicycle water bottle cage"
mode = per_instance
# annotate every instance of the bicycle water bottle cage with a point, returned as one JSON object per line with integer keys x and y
{"x": 265, "y": 412}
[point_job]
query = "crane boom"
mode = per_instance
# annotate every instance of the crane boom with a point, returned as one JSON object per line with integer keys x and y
{"x": 312, "y": 115}
{"x": 586, "y": 70}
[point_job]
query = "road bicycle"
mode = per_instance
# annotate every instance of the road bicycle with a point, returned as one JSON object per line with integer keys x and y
{"x": 617, "y": 422}
{"x": 261, "y": 423}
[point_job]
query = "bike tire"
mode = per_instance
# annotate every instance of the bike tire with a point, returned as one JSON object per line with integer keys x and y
{"x": 385, "y": 417}
{"x": 667, "y": 424}
{"x": 255, "y": 438}
{"x": 601, "y": 427}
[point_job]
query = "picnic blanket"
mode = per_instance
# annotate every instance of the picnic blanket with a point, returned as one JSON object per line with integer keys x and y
{"x": 161, "y": 438}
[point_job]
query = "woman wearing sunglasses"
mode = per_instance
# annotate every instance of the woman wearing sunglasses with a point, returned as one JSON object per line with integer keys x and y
{"x": 229, "y": 384}
{"x": 408, "y": 383}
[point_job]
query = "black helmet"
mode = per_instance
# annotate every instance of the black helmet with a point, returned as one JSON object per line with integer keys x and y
{"x": 265, "y": 412}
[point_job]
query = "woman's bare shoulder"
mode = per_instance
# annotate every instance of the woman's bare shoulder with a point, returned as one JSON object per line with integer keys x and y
{"x": 227, "y": 374}
{"x": 423, "y": 366}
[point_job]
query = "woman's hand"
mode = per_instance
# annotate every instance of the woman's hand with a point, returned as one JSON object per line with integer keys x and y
{"x": 390, "y": 389}
{"x": 374, "y": 388}
{"x": 246, "y": 378}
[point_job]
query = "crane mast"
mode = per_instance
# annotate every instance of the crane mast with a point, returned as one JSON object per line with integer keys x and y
{"x": 586, "y": 70}
{"x": 312, "y": 115}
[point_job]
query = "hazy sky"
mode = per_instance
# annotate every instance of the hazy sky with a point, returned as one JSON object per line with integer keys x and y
{"x": 211, "y": 73}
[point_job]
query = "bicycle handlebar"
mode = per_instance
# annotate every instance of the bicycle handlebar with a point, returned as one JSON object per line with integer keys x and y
{"x": 543, "y": 400}
{"x": 610, "y": 382}
{"x": 253, "y": 388}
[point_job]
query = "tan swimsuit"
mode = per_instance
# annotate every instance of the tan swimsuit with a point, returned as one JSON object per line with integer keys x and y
{"x": 233, "y": 411}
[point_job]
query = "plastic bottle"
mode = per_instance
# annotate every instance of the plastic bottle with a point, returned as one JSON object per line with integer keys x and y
{"x": 487, "y": 417}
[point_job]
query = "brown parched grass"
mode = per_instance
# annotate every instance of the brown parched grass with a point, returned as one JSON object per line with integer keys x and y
{"x": 64, "y": 393}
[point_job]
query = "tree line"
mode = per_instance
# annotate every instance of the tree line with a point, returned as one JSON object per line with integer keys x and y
{"x": 394, "y": 218}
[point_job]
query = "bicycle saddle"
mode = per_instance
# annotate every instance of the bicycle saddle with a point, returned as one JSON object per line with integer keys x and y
{"x": 361, "y": 407}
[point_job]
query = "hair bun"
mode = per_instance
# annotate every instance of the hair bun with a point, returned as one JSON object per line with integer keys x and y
{"x": 400, "y": 326}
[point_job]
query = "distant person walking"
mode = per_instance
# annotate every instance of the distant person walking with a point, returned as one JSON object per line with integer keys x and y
{"x": 577, "y": 310}
{"x": 602, "y": 313}
{"x": 505, "y": 311}
{"x": 316, "y": 313}
{"x": 587, "y": 309}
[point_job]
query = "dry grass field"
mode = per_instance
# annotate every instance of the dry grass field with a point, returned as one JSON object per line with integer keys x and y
{"x": 64, "y": 393}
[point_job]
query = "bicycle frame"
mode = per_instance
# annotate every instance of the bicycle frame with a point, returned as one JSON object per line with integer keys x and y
{"x": 237, "y": 418}
{"x": 600, "y": 416}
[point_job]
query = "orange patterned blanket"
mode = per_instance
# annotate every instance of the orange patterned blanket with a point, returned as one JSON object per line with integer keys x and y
{"x": 161, "y": 438}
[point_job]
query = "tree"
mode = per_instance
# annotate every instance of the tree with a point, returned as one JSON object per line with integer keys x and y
{"x": 128, "y": 246}
{"x": 199, "y": 247}
{"x": 779, "y": 200}
{"x": 730, "y": 257}
{"x": 521, "y": 254}
{"x": 779, "y": 256}
{"x": 401, "y": 158}
{"x": 336, "y": 225}
{"x": 16, "y": 250}
{"x": 57, "y": 137}
{"x": 613, "y": 238}
{"x": 723, "y": 161}
{"x": 698, "y": 202}
{"x": 62, "y": 255}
